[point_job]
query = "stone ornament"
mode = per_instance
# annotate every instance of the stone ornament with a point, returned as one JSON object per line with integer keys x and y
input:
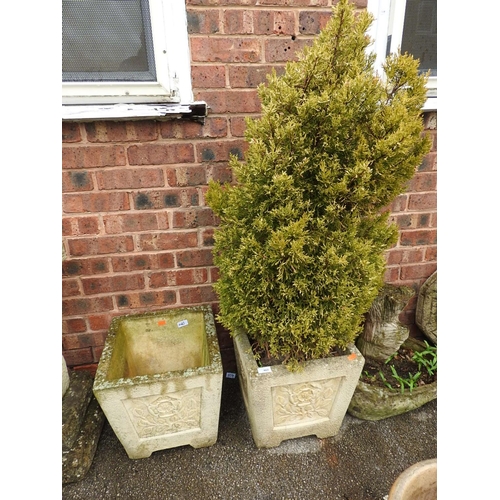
{"x": 383, "y": 333}
{"x": 426, "y": 312}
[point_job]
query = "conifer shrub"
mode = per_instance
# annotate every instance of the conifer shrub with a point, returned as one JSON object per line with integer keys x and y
{"x": 304, "y": 228}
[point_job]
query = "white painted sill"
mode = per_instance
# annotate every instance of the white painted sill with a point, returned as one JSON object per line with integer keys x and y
{"x": 87, "y": 112}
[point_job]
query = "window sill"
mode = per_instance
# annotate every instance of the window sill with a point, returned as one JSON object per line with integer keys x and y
{"x": 196, "y": 111}
{"x": 430, "y": 104}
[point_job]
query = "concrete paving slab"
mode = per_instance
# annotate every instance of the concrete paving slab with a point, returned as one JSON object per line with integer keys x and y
{"x": 360, "y": 463}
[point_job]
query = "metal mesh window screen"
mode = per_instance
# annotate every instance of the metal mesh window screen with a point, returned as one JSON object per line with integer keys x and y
{"x": 420, "y": 33}
{"x": 107, "y": 40}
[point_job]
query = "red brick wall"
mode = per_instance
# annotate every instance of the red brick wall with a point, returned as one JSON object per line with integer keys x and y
{"x": 136, "y": 228}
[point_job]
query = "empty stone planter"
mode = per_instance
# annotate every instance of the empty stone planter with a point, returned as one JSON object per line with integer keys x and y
{"x": 159, "y": 380}
{"x": 283, "y": 405}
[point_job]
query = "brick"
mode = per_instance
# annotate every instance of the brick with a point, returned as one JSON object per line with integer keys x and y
{"x": 431, "y": 254}
{"x": 102, "y": 245}
{"x": 405, "y": 256}
{"x": 391, "y": 275}
{"x": 419, "y": 237}
{"x": 237, "y": 125}
{"x": 95, "y": 202}
{"x": 108, "y": 284}
{"x": 93, "y": 156}
{"x": 193, "y": 218}
{"x": 237, "y": 22}
{"x": 194, "y": 258}
{"x": 87, "y": 225}
{"x": 226, "y": 50}
{"x": 77, "y": 341}
{"x": 78, "y": 356}
{"x": 99, "y": 321}
{"x": 399, "y": 204}
{"x": 197, "y": 295}
{"x": 139, "y": 262}
{"x": 76, "y": 181}
{"x": 168, "y": 240}
{"x": 70, "y": 287}
{"x": 186, "y": 176}
{"x": 420, "y": 271}
{"x": 251, "y": 76}
{"x": 433, "y": 221}
{"x": 214, "y": 127}
{"x": 79, "y": 306}
{"x": 109, "y": 131}
{"x": 180, "y": 129}
{"x": 67, "y": 229}
{"x": 214, "y": 274}
{"x": 424, "y": 220}
{"x": 207, "y": 237}
{"x": 157, "y": 154}
{"x": 312, "y": 22}
{"x": 146, "y": 299}
{"x": 204, "y": 21}
{"x": 284, "y": 23}
{"x": 425, "y": 181}
{"x": 165, "y": 260}
{"x": 429, "y": 163}
{"x": 82, "y": 267}
{"x": 178, "y": 278}
{"x": 283, "y": 49}
{"x": 215, "y": 151}
{"x": 219, "y": 172}
{"x": 74, "y": 325}
{"x": 167, "y": 198}
{"x": 130, "y": 178}
{"x": 423, "y": 201}
{"x": 128, "y": 223}
{"x": 71, "y": 132}
{"x": 231, "y": 101}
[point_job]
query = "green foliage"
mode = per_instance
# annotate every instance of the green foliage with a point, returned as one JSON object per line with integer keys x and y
{"x": 427, "y": 359}
{"x": 303, "y": 231}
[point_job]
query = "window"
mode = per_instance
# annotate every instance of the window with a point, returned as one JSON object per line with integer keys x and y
{"x": 409, "y": 25}
{"x": 124, "y": 52}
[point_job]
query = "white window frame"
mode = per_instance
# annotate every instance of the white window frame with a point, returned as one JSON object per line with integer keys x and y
{"x": 389, "y": 20}
{"x": 172, "y": 90}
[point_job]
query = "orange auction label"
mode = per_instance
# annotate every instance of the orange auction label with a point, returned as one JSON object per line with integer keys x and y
{"x": 161, "y": 322}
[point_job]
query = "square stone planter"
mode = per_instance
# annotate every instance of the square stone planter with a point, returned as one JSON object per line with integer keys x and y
{"x": 159, "y": 380}
{"x": 283, "y": 405}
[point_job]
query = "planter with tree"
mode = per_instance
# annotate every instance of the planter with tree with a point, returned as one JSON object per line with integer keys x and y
{"x": 304, "y": 228}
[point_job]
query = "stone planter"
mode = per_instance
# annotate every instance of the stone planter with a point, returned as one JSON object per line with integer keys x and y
{"x": 370, "y": 402}
{"x": 283, "y": 405}
{"x": 159, "y": 380}
{"x": 418, "y": 482}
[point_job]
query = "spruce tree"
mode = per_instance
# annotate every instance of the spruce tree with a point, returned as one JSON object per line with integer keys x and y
{"x": 304, "y": 228}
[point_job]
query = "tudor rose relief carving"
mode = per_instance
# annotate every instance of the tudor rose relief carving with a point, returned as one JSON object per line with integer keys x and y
{"x": 303, "y": 403}
{"x": 166, "y": 413}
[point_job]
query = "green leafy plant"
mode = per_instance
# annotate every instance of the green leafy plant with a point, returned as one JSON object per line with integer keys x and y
{"x": 303, "y": 230}
{"x": 409, "y": 381}
{"x": 427, "y": 358}
{"x": 384, "y": 380}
